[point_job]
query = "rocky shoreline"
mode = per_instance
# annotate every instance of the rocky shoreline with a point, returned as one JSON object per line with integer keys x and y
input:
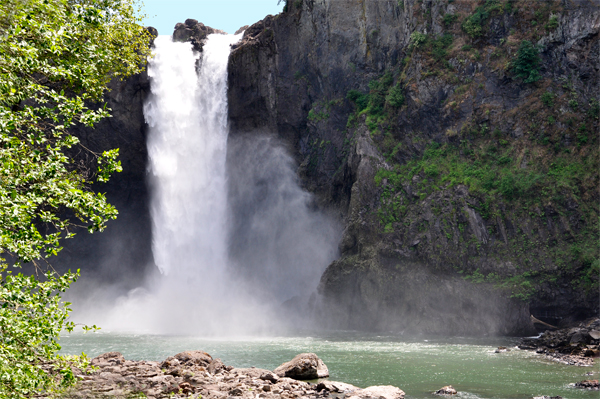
{"x": 576, "y": 346}
{"x": 195, "y": 374}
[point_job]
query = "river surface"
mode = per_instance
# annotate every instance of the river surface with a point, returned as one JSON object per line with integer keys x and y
{"x": 417, "y": 366}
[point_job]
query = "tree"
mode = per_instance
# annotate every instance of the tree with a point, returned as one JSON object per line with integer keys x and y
{"x": 56, "y": 59}
{"x": 527, "y": 61}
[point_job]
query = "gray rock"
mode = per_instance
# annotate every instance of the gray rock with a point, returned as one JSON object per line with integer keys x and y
{"x": 216, "y": 366}
{"x": 447, "y": 390}
{"x": 190, "y": 358}
{"x": 335, "y": 386}
{"x": 305, "y": 366}
{"x": 377, "y": 392}
{"x": 269, "y": 376}
{"x": 108, "y": 359}
{"x": 580, "y": 337}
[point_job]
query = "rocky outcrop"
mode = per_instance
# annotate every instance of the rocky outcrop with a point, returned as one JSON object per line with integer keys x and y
{"x": 421, "y": 254}
{"x": 574, "y": 346}
{"x": 193, "y": 31}
{"x": 305, "y": 366}
{"x": 189, "y": 375}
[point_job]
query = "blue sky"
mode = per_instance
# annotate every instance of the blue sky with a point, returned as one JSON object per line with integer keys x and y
{"x": 227, "y": 15}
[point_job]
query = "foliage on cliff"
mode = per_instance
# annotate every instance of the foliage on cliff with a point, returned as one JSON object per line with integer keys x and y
{"x": 541, "y": 168}
{"x": 56, "y": 58}
{"x": 457, "y": 138}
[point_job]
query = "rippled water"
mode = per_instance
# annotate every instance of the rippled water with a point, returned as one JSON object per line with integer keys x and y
{"x": 418, "y": 366}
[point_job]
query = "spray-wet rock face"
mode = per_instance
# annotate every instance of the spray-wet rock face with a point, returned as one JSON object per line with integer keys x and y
{"x": 375, "y": 98}
{"x": 188, "y": 375}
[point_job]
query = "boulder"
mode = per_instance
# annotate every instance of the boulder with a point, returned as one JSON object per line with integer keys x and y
{"x": 335, "y": 386}
{"x": 447, "y": 390}
{"x": 215, "y": 366}
{"x": 580, "y": 337}
{"x": 187, "y": 359}
{"x": 377, "y": 392}
{"x": 305, "y": 366}
{"x": 269, "y": 376}
{"x": 109, "y": 358}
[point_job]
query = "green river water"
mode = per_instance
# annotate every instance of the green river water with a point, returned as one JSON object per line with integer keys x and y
{"x": 418, "y": 366}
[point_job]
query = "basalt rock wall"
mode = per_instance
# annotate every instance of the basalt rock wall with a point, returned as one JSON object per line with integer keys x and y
{"x": 410, "y": 119}
{"x": 122, "y": 254}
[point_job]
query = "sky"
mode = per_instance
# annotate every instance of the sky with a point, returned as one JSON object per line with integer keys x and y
{"x": 227, "y": 15}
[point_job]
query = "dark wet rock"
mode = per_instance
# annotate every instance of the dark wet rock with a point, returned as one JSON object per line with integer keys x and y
{"x": 447, "y": 390}
{"x": 305, "y": 366}
{"x": 580, "y": 337}
{"x": 502, "y": 349}
{"x": 588, "y": 384}
{"x": 573, "y": 346}
{"x": 547, "y": 397}
{"x": 194, "y": 32}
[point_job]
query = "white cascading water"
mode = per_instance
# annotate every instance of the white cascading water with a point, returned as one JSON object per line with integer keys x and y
{"x": 218, "y": 276}
{"x": 187, "y": 118}
{"x": 187, "y": 115}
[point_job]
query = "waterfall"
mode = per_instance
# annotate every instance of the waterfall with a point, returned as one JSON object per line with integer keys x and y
{"x": 234, "y": 236}
{"x": 187, "y": 115}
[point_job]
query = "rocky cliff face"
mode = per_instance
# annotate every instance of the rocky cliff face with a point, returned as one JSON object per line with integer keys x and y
{"x": 121, "y": 255}
{"x": 457, "y": 139}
